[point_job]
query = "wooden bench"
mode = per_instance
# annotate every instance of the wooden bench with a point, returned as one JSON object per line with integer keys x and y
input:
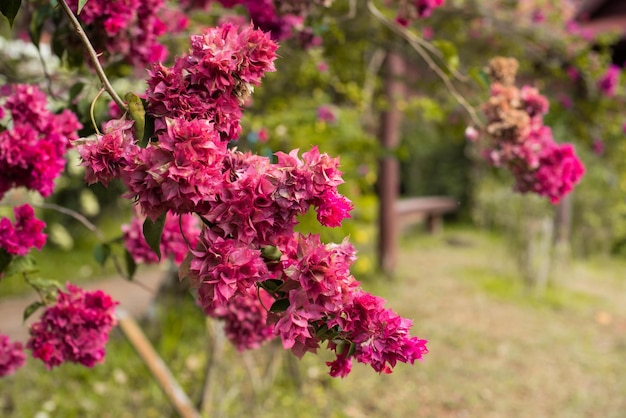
{"x": 426, "y": 209}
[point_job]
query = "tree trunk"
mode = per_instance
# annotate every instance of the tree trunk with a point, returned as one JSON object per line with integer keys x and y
{"x": 388, "y": 176}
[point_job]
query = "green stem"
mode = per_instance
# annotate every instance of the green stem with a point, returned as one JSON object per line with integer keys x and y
{"x": 106, "y": 84}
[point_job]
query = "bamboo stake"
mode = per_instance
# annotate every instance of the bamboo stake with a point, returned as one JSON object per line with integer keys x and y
{"x": 159, "y": 370}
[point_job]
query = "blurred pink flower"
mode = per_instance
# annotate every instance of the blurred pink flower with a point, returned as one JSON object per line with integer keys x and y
{"x": 609, "y": 81}
{"x": 12, "y": 356}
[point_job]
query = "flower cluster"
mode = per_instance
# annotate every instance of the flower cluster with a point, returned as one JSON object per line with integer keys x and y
{"x": 32, "y": 151}
{"x": 245, "y": 318}
{"x": 326, "y": 114}
{"x": 179, "y": 234}
{"x": 317, "y": 299}
{"x": 610, "y": 80}
{"x": 12, "y": 356}
{"x": 518, "y": 139}
{"x": 409, "y": 10}
{"x": 214, "y": 79}
{"x": 129, "y": 28}
{"x": 75, "y": 329}
{"x": 248, "y": 265}
{"x": 283, "y": 19}
{"x": 379, "y": 336}
{"x": 25, "y": 234}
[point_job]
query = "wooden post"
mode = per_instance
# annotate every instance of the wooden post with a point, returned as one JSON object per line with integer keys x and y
{"x": 563, "y": 221}
{"x": 388, "y": 175}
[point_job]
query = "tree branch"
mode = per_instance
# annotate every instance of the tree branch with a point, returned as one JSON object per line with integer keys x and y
{"x": 418, "y": 45}
{"x": 106, "y": 84}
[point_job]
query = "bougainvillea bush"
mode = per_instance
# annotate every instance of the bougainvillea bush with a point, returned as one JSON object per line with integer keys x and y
{"x": 232, "y": 213}
{"x": 226, "y": 216}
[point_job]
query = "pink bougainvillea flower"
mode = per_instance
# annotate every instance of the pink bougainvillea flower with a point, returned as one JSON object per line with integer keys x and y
{"x": 12, "y": 356}
{"x": 245, "y": 318}
{"x": 180, "y": 234}
{"x": 598, "y": 146}
{"x": 214, "y": 79}
{"x": 409, "y": 10}
{"x": 610, "y": 80}
{"x": 75, "y": 329}
{"x": 518, "y": 140}
{"x": 326, "y": 114}
{"x": 127, "y": 28}
{"x": 224, "y": 268}
{"x": 26, "y": 233}
{"x": 32, "y": 152}
{"x": 105, "y": 157}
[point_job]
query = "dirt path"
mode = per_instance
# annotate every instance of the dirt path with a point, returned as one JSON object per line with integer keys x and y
{"x": 134, "y": 297}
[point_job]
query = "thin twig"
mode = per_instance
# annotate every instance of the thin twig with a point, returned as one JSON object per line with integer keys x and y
{"x": 92, "y": 108}
{"x": 99, "y": 235}
{"x": 106, "y": 84}
{"x": 46, "y": 74}
{"x": 80, "y": 218}
{"x": 253, "y": 373}
{"x": 416, "y": 43}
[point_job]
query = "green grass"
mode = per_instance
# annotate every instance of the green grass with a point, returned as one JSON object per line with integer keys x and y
{"x": 496, "y": 350}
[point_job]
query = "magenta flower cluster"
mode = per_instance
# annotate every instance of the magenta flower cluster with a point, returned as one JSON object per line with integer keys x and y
{"x": 248, "y": 265}
{"x": 32, "y": 150}
{"x": 610, "y": 80}
{"x": 320, "y": 300}
{"x": 179, "y": 234}
{"x": 284, "y": 19}
{"x": 213, "y": 80}
{"x": 245, "y": 318}
{"x": 12, "y": 356}
{"x": 126, "y": 28}
{"x": 75, "y": 329}
{"x": 409, "y": 10}
{"x": 26, "y": 233}
{"x": 326, "y": 114}
{"x": 519, "y": 141}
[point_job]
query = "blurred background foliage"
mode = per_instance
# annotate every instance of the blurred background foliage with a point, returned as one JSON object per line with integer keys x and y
{"x": 344, "y": 76}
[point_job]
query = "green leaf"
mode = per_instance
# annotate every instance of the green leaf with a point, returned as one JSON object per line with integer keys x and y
{"x": 450, "y": 53}
{"x": 22, "y": 264}
{"x": 75, "y": 90}
{"x": 101, "y": 253}
{"x": 148, "y": 128}
{"x": 58, "y": 43}
{"x": 280, "y": 305}
{"x": 322, "y": 332}
{"x": 81, "y": 4}
{"x": 271, "y": 285}
{"x": 340, "y": 346}
{"x": 351, "y": 349}
{"x": 44, "y": 285}
{"x": 5, "y": 259}
{"x": 131, "y": 266}
{"x": 152, "y": 232}
{"x": 138, "y": 114}
{"x": 31, "y": 309}
{"x": 480, "y": 76}
{"x": 9, "y": 9}
{"x": 271, "y": 253}
{"x": 37, "y": 21}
